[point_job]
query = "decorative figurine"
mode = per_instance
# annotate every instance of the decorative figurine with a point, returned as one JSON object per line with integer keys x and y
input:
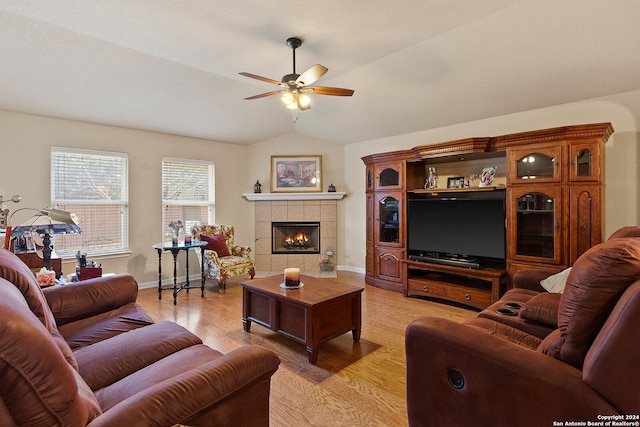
{"x": 332, "y": 188}
{"x": 486, "y": 179}
{"x": 432, "y": 179}
{"x": 257, "y": 187}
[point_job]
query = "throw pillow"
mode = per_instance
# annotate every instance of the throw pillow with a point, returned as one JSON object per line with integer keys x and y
{"x": 556, "y": 282}
{"x": 216, "y": 243}
{"x": 542, "y": 308}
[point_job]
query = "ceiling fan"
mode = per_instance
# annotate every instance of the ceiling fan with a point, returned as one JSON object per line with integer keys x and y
{"x": 296, "y": 86}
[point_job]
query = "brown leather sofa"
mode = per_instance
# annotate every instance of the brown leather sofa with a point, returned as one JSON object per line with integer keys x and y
{"x": 87, "y": 354}
{"x": 555, "y": 357}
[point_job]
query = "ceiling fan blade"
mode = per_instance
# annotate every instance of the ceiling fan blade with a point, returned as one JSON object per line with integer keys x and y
{"x": 312, "y": 74}
{"x": 262, "y": 95}
{"x": 264, "y": 79}
{"x": 333, "y": 91}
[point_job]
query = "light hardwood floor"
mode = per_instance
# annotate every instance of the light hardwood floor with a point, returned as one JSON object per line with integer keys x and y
{"x": 353, "y": 384}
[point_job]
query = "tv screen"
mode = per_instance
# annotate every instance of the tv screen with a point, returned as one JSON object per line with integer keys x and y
{"x": 460, "y": 227}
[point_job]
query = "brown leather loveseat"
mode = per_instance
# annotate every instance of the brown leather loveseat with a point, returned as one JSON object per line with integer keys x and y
{"x": 87, "y": 354}
{"x": 534, "y": 357}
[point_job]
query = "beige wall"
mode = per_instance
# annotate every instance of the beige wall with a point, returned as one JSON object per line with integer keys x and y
{"x": 25, "y": 142}
{"x": 25, "y": 169}
{"x": 333, "y": 169}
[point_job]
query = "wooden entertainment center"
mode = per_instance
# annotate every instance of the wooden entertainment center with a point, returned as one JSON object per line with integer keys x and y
{"x": 552, "y": 182}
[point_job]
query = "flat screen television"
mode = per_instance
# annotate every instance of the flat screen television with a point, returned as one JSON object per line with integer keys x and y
{"x": 457, "y": 229}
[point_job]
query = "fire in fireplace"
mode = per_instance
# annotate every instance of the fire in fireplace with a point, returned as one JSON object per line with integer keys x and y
{"x": 298, "y": 237}
{"x": 300, "y": 240}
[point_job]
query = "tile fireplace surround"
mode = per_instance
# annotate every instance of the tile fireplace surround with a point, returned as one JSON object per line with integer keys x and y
{"x": 285, "y": 207}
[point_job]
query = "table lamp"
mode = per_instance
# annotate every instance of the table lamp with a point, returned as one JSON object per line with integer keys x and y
{"x": 47, "y": 222}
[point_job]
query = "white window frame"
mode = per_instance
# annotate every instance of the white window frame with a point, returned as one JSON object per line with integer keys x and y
{"x": 83, "y": 242}
{"x": 209, "y": 203}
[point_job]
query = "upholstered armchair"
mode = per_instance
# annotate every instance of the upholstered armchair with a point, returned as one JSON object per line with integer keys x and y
{"x": 223, "y": 259}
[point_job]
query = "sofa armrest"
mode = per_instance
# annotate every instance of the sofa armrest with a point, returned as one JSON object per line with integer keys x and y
{"x": 529, "y": 278}
{"x": 242, "y": 251}
{"x": 198, "y": 393}
{"x": 501, "y": 382}
{"x": 213, "y": 256}
{"x": 90, "y": 297}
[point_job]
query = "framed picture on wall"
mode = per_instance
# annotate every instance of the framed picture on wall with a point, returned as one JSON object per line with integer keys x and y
{"x": 295, "y": 174}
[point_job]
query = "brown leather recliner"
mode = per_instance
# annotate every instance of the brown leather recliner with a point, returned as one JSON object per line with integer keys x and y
{"x": 561, "y": 357}
{"x": 87, "y": 354}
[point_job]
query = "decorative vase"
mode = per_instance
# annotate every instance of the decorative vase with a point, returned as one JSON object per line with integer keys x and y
{"x": 327, "y": 267}
{"x": 176, "y": 236}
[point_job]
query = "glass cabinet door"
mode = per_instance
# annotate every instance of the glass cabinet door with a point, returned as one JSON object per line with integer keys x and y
{"x": 540, "y": 165}
{"x": 389, "y": 176}
{"x": 389, "y": 220}
{"x": 537, "y": 225}
{"x": 535, "y": 165}
{"x": 585, "y": 162}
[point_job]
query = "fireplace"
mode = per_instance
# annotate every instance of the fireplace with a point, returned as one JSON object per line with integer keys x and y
{"x": 295, "y": 237}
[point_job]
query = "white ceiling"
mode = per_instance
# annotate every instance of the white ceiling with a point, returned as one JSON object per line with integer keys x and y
{"x": 172, "y": 65}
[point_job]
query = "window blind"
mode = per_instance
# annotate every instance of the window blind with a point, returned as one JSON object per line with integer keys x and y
{"x": 188, "y": 193}
{"x": 94, "y": 186}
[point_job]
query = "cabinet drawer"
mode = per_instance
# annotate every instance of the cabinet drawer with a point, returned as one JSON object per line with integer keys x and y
{"x": 424, "y": 288}
{"x": 469, "y": 296}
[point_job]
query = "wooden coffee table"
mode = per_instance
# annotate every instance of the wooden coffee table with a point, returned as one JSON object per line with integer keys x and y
{"x": 317, "y": 312}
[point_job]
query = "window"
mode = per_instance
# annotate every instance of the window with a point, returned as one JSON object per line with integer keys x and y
{"x": 94, "y": 186}
{"x": 188, "y": 193}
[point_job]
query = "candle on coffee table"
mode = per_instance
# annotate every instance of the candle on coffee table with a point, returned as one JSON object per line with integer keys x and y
{"x": 291, "y": 277}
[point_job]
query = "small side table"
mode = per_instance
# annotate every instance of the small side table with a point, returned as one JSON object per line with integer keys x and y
{"x": 175, "y": 250}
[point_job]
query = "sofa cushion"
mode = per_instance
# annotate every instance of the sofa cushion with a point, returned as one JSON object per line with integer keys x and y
{"x": 20, "y": 276}
{"x": 611, "y": 365}
{"x": 91, "y": 297}
{"x": 596, "y": 282}
{"x": 106, "y": 325}
{"x": 166, "y": 369}
{"x": 543, "y": 309}
{"x": 625, "y": 232}
{"x": 552, "y": 344}
{"x": 38, "y": 384}
{"x": 504, "y": 331}
{"x": 130, "y": 352}
{"x": 216, "y": 243}
{"x": 17, "y": 272}
{"x": 507, "y": 313}
{"x": 520, "y": 295}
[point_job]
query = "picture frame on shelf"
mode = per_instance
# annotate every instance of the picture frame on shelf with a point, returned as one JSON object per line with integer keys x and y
{"x": 296, "y": 174}
{"x": 455, "y": 182}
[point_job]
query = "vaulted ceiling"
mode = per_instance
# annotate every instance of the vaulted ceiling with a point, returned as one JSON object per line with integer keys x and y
{"x": 172, "y": 66}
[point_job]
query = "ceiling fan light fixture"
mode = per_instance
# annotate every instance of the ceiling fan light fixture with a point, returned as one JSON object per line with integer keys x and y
{"x": 288, "y": 99}
{"x": 293, "y": 100}
{"x": 304, "y": 102}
